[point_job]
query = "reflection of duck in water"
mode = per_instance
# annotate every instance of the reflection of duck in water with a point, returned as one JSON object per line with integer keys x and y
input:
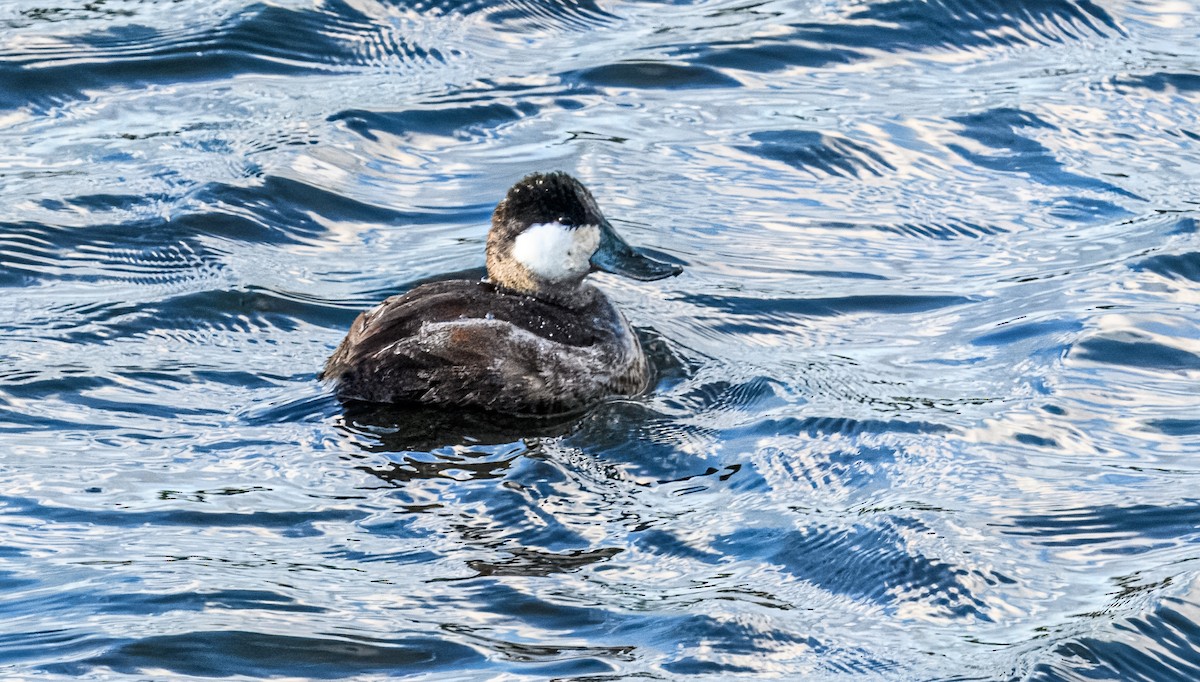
{"x": 532, "y": 338}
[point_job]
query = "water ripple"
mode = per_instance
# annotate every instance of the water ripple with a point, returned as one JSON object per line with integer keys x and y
{"x": 528, "y": 16}
{"x": 1000, "y": 129}
{"x": 1136, "y": 350}
{"x": 823, "y": 307}
{"x": 1107, "y": 526}
{"x": 923, "y": 402}
{"x": 442, "y": 121}
{"x": 873, "y": 562}
{"x": 1173, "y": 266}
{"x": 288, "y": 522}
{"x": 651, "y": 74}
{"x": 262, "y": 39}
{"x": 259, "y": 654}
{"x": 819, "y": 154}
{"x": 905, "y": 25}
{"x": 1156, "y": 647}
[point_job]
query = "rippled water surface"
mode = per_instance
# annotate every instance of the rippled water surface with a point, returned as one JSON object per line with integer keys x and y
{"x": 928, "y": 394}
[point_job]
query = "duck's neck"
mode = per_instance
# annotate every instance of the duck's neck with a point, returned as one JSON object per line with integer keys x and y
{"x": 572, "y": 297}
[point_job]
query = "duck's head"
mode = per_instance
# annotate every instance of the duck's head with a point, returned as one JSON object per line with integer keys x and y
{"x": 548, "y": 234}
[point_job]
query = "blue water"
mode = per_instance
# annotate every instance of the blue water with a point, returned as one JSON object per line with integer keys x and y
{"x": 927, "y": 401}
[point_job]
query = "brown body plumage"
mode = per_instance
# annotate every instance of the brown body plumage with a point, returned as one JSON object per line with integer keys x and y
{"x": 533, "y": 338}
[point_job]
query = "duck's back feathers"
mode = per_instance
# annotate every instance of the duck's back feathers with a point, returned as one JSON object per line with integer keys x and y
{"x": 471, "y": 344}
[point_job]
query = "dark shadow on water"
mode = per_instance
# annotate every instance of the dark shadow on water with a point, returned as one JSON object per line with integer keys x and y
{"x": 910, "y": 25}
{"x": 528, "y": 561}
{"x": 410, "y": 427}
{"x": 819, "y": 154}
{"x": 1176, "y": 427}
{"x": 1002, "y": 130}
{"x": 1181, "y": 266}
{"x": 1109, "y": 526}
{"x": 380, "y": 427}
{"x": 824, "y": 307}
{"x": 548, "y": 16}
{"x": 497, "y": 481}
{"x": 445, "y": 121}
{"x": 259, "y": 39}
{"x": 1133, "y": 349}
{"x": 258, "y": 654}
{"x": 651, "y": 75}
{"x": 1162, "y": 81}
{"x": 872, "y": 561}
{"x": 287, "y": 523}
{"x": 148, "y": 604}
{"x": 1161, "y": 644}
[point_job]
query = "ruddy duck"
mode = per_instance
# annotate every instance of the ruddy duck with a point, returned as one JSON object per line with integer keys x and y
{"x": 532, "y": 338}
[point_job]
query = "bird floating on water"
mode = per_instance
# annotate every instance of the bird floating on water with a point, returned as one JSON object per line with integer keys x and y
{"x": 532, "y": 338}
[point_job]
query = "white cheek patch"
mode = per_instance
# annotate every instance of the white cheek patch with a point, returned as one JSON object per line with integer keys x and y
{"x": 553, "y": 251}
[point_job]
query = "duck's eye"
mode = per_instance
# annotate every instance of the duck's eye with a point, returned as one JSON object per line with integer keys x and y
{"x": 565, "y": 221}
